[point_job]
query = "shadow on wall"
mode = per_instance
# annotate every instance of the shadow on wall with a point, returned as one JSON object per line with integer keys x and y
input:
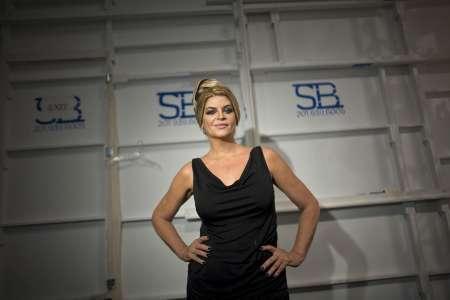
{"x": 330, "y": 240}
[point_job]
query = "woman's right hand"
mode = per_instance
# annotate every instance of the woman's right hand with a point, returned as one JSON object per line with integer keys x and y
{"x": 197, "y": 249}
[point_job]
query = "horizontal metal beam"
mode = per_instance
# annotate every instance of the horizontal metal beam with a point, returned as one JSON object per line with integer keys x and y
{"x": 43, "y": 222}
{"x": 355, "y": 280}
{"x": 52, "y": 147}
{"x": 89, "y": 15}
{"x": 199, "y": 43}
{"x": 122, "y": 78}
{"x": 436, "y": 94}
{"x": 313, "y": 5}
{"x": 445, "y": 160}
{"x": 259, "y": 6}
{"x": 14, "y": 79}
{"x": 283, "y": 205}
{"x": 56, "y": 56}
{"x": 342, "y": 64}
{"x": 362, "y": 130}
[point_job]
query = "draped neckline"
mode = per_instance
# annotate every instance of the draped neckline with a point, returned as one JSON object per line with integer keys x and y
{"x": 237, "y": 180}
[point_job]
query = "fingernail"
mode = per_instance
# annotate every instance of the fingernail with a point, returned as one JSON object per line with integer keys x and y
{"x": 261, "y": 248}
{"x": 262, "y": 268}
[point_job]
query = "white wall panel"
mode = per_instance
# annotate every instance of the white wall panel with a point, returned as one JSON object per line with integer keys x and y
{"x": 338, "y": 34}
{"x": 435, "y": 77}
{"x": 399, "y": 290}
{"x": 57, "y": 37}
{"x": 139, "y": 110}
{"x": 24, "y": 131}
{"x": 441, "y": 288}
{"x": 55, "y": 184}
{"x": 440, "y": 124}
{"x": 358, "y": 91}
{"x": 68, "y": 260}
{"x": 261, "y": 39}
{"x": 145, "y": 181}
{"x": 337, "y": 166}
{"x": 418, "y": 171}
{"x": 427, "y": 29}
{"x": 434, "y": 239}
{"x": 55, "y": 262}
{"x": 400, "y": 91}
{"x": 172, "y": 30}
{"x": 351, "y": 244}
{"x": 182, "y": 59}
{"x": 150, "y": 268}
{"x": 35, "y": 71}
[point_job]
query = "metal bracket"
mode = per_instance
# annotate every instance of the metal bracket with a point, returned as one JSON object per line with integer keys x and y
{"x": 110, "y": 283}
{"x": 109, "y": 152}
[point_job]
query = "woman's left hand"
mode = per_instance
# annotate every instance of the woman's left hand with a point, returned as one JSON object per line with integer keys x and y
{"x": 279, "y": 260}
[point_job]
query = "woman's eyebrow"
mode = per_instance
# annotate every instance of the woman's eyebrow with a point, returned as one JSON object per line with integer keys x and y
{"x": 216, "y": 106}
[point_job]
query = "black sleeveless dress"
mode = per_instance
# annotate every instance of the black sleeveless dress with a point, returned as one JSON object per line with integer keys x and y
{"x": 238, "y": 219}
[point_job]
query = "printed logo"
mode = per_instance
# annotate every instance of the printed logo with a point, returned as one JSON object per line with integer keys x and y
{"x": 58, "y": 115}
{"x": 176, "y": 108}
{"x": 317, "y": 99}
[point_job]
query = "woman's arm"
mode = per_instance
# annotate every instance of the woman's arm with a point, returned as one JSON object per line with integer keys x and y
{"x": 179, "y": 191}
{"x": 300, "y": 195}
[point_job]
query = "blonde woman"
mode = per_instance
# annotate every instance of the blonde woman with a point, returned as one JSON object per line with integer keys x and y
{"x": 236, "y": 255}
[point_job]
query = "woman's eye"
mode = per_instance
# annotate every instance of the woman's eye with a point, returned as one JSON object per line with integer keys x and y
{"x": 228, "y": 110}
{"x": 210, "y": 112}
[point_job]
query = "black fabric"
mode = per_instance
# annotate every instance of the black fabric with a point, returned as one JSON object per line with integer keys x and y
{"x": 238, "y": 219}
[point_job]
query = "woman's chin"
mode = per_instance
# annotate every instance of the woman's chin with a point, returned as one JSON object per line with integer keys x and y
{"x": 222, "y": 134}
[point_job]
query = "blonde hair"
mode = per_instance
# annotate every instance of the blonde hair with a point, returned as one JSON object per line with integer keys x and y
{"x": 207, "y": 88}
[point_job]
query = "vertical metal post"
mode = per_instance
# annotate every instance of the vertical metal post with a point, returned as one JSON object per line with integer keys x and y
{"x": 422, "y": 105}
{"x": 243, "y": 57}
{"x": 113, "y": 206}
{"x": 424, "y": 285}
{"x": 427, "y": 138}
{"x": 399, "y": 13}
{"x": 394, "y": 134}
{"x": 6, "y": 97}
{"x": 445, "y": 213}
{"x": 275, "y": 19}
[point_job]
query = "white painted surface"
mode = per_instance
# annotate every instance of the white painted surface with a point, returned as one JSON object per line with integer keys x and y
{"x": 67, "y": 260}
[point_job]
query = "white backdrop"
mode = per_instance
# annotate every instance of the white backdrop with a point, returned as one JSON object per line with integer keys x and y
{"x": 53, "y": 184}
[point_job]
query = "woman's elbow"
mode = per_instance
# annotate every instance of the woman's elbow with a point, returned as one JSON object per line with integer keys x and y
{"x": 313, "y": 206}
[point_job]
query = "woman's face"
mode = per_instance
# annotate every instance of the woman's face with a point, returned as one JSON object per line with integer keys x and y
{"x": 219, "y": 119}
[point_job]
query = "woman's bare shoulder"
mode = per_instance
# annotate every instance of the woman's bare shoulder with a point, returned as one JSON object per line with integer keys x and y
{"x": 185, "y": 172}
{"x": 269, "y": 152}
{"x": 183, "y": 180}
{"x": 272, "y": 157}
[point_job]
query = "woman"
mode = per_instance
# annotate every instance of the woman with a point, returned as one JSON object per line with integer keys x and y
{"x": 236, "y": 255}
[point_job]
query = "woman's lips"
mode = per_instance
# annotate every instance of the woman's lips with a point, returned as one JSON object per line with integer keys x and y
{"x": 221, "y": 126}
